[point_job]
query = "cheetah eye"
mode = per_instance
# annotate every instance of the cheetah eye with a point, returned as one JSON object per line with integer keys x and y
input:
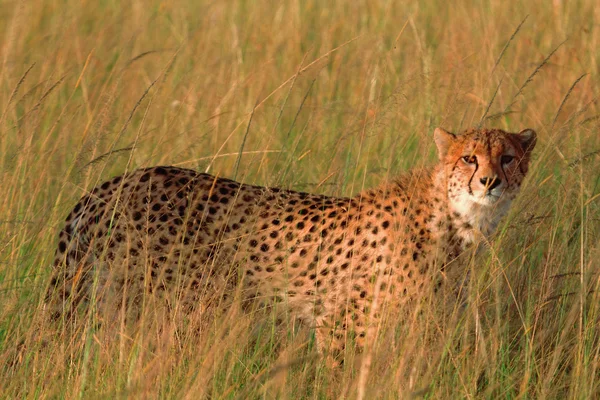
{"x": 469, "y": 159}
{"x": 506, "y": 159}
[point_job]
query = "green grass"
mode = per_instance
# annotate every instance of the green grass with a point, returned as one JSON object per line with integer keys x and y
{"x": 330, "y": 97}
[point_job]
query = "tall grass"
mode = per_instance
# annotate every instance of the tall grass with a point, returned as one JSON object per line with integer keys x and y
{"x": 330, "y": 97}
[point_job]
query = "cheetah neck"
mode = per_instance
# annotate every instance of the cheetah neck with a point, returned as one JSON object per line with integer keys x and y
{"x": 471, "y": 220}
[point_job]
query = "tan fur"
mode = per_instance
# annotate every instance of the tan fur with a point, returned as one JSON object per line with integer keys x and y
{"x": 178, "y": 235}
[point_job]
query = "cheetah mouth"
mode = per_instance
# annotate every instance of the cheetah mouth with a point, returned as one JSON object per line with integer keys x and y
{"x": 491, "y": 197}
{"x": 487, "y": 198}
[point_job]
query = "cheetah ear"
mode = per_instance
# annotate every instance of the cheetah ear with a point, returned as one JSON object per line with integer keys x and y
{"x": 443, "y": 140}
{"x": 527, "y": 139}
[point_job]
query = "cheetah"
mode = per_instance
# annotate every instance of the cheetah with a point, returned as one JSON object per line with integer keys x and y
{"x": 165, "y": 230}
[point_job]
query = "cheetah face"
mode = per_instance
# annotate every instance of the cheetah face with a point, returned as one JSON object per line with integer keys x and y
{"x": 484, "y": 167}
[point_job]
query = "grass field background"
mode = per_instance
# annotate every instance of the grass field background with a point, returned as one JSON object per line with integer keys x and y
{"x": 329, "y": 97}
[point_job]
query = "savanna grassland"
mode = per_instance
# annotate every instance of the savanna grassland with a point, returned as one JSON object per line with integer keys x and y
{"x": 328, "y": 97}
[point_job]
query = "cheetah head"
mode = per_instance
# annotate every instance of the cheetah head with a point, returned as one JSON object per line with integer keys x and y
{"x": 484, "y": 168}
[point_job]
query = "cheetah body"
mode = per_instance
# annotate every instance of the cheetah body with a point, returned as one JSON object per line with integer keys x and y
{"x": 193, "y": 239}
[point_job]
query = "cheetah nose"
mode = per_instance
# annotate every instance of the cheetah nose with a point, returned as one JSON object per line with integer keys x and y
{"x": 490, "y": 183}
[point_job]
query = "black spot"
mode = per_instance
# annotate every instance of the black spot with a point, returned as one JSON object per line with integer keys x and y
{"x": 62, "y": 246}
{"x": 145, "y": 177}
{"x": 264, "y": 247}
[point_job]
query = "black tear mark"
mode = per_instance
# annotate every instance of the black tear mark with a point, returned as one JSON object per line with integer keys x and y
{"x": 455, "y": 164}
{"x": 504, "y": 173}
{"x": 473, "y": 176}
{"x": 520, "y": 168}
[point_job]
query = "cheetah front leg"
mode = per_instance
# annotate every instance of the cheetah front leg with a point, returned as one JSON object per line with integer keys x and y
{"x": 335, "y": 331}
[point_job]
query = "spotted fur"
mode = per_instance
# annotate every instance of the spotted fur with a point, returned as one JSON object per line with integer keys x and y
{"x": 193, "y": 239}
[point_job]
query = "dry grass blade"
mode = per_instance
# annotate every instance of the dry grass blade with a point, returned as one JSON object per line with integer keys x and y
{"x": 15, "y": 91}
{"x": 41, "y": 100}
{"x": 565, "y": 99}
{"x": 144, "y": 54}
{"x": 316, "y": 61}
{"x": 533, "y": 74}
{"x": 507, "y": 44}
{"x": 103, "y": 157}
{"x": 483, "y": 117}
{"x": 583, "y": 158}
{"x": 239, "y": 157}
